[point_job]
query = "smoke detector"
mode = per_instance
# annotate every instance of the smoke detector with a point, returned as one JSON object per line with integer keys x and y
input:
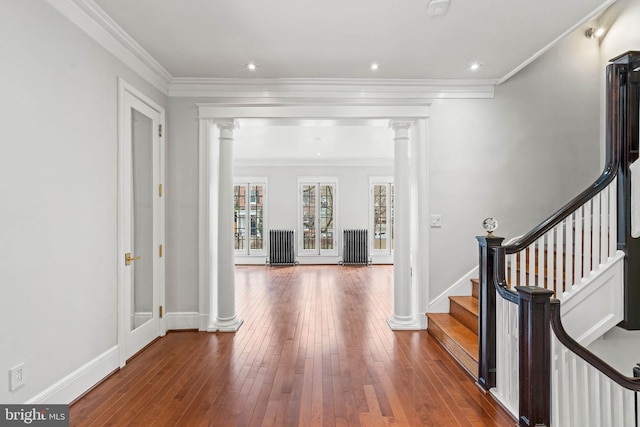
{"x": 437, "y": 7}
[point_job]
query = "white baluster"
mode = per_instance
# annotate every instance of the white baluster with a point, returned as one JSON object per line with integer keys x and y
{"x": 558, "y": 289}
{"x": 568, "y": 255}
{"x": 550, "y": 259}
{"x": 613, "y": 217}
{"x": 586, "y": 256}
{"x": 513, "y": 262}
{"x": 594, "y": 397}
{"x": 522, "y": 265}
{"x": 540, "y": 262}
{"x": 604, "y": 225}
{"x": 595, "y": 244}
{"x": 577, "y": 253}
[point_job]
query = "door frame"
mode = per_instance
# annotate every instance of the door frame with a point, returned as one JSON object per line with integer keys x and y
{"x": 125, "y": 92}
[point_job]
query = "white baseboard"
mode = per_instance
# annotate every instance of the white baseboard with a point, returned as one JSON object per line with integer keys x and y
{"x": 182, "y": 320}
{"x": 462, "y": 287}
{"x": 78, "y": 382}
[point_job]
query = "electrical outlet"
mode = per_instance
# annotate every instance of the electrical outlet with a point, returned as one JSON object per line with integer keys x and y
{"x": 16, "y": 377}
{"x": 436, "y": 221}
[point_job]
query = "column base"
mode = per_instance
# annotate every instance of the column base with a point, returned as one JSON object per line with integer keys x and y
{"x": 404, "y": 323}
{"x": 226, "y": 325}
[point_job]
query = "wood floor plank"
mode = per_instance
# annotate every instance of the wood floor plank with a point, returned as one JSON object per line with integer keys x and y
{"x": 314, "y": 350}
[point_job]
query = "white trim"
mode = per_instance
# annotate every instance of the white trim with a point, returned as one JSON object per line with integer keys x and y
{"x": 182, "y": 320}
{"x": 79, "y": 381}
{"x": 595, "y": 306}
{"x": 380, "y": 253}
{"x": 462, "y": 287}
{"x": 249, "y": 182}
{"x": 292, "y": 110}
{"x": 207, "y": 221}
{"x": 91, "y": 19}
{"x": 318, "y": 252}
{"x": 593, "y": 15}
{"x": 207, "y": 175}
{"x": 231, "y": 91}
{"x": 323, "y": 161}
{"x": 128, "y": 95}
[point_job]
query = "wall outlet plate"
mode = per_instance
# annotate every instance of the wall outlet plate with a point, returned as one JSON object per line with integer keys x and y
{"x": 436, "y": 221}
{"x": 16, "y": 377}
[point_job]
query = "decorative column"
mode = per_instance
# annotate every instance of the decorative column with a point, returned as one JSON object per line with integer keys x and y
{"x": 403, "y": 317}
{"x": 226, "y": 319}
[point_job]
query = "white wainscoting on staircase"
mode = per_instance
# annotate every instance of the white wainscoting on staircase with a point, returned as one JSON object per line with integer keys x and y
{"x": 588, "y": 311}
{"x": 581, "y": 396}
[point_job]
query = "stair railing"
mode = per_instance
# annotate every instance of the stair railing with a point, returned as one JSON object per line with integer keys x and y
{"x": 545, "y": 266}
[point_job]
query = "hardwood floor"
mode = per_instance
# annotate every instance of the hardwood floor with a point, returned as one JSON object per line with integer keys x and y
{"x": 315, "y": 350}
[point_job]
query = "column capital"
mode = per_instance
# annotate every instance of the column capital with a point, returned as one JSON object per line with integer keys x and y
{"x": 226, "y": 124}
{"x": 400, "y": 124}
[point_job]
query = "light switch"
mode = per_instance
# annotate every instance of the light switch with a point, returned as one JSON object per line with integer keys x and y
{"x": 436, "y": 221}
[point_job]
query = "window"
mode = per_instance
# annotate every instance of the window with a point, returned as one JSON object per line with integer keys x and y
{"x": 317, "y": 217}
{"x": 382, "y": 218}
{"x": 249, "y": 218}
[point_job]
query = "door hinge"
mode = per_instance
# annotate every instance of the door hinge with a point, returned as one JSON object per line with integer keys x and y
{"x": 161, "y": 312}
{"x": 160, "y": 190}
{"x": 160, "y": 131}
{"x": 160, "y": 250}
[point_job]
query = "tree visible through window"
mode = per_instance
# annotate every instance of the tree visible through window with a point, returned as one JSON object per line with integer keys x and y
{"x": 318, "y": 218}
{"x": 248, "y": 218}
{"x": 382, "y": 225}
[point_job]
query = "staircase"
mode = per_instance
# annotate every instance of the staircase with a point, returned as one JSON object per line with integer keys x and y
{"x": 457, "y": 330}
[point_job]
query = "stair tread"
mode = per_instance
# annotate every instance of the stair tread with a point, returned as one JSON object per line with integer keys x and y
{"x": 469, "y": 303}
{"x": 462, "y": 335}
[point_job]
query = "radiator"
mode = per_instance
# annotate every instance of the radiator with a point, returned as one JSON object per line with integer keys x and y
{"x": 281, "y": 247}
{"x": 355, "y": 245}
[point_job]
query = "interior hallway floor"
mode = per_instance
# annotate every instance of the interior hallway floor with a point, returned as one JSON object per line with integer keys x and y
{"x": 314, "y": 350}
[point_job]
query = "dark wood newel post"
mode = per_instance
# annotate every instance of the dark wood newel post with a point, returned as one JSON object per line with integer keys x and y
{"x": 534, "y": 346}
{"x": 487, "y": 313}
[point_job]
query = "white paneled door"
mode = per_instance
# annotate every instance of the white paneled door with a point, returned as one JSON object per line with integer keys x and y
{"x": 141, "y": 222}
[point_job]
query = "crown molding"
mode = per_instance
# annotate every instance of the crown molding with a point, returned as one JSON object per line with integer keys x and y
{"x": 91, "y": 19}
{"x": 591, "y": 16}
{"x": 329, "y": 91}
{"x": 308, "y": 162}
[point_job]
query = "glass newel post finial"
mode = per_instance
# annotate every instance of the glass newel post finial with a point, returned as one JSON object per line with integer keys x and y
{"x": 490, "y": 224}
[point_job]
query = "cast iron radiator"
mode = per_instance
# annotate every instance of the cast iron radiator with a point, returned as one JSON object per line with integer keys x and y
{"x": 281, "y": 248}
{"x": 355, "y": 249}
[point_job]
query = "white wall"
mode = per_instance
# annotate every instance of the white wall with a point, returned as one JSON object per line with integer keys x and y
{"x": 182, "y": 205}
{"x": 517, "y": 158}
{"x": 352, "y": 195}
{"x": 58, "y": 196}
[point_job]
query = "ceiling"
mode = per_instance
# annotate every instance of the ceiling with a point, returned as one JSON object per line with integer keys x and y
{"x": 341, "y": 38}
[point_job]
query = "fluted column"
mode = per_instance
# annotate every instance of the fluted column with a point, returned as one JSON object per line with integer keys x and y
{"x": 402, "y": 317}
{"x": 226, "y": 319}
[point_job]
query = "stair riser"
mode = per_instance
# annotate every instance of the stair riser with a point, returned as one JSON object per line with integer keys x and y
{"x": 467, "y": 318}
{"x": 466, "y": 360}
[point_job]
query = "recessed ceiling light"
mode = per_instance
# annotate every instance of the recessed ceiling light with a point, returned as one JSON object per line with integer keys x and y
{"x": 251, "y": 66}
{"x": 475, "y": 66}
{"x": 375, "y": 66}
{"x": 437, "y": 7}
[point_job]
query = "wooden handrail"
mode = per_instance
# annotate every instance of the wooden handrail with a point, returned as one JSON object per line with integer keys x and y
{"x": 499, "y": 279}
{"x": 593, "y": 360}
{"x": 608, "y": 174}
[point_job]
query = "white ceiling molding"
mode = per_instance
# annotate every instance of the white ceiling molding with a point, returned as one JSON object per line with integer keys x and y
{"x": 593, "y": 15}
{"x": 318, "y": 161}
{"x": 328, "y": 91}
{"x": 90, "y": 18}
